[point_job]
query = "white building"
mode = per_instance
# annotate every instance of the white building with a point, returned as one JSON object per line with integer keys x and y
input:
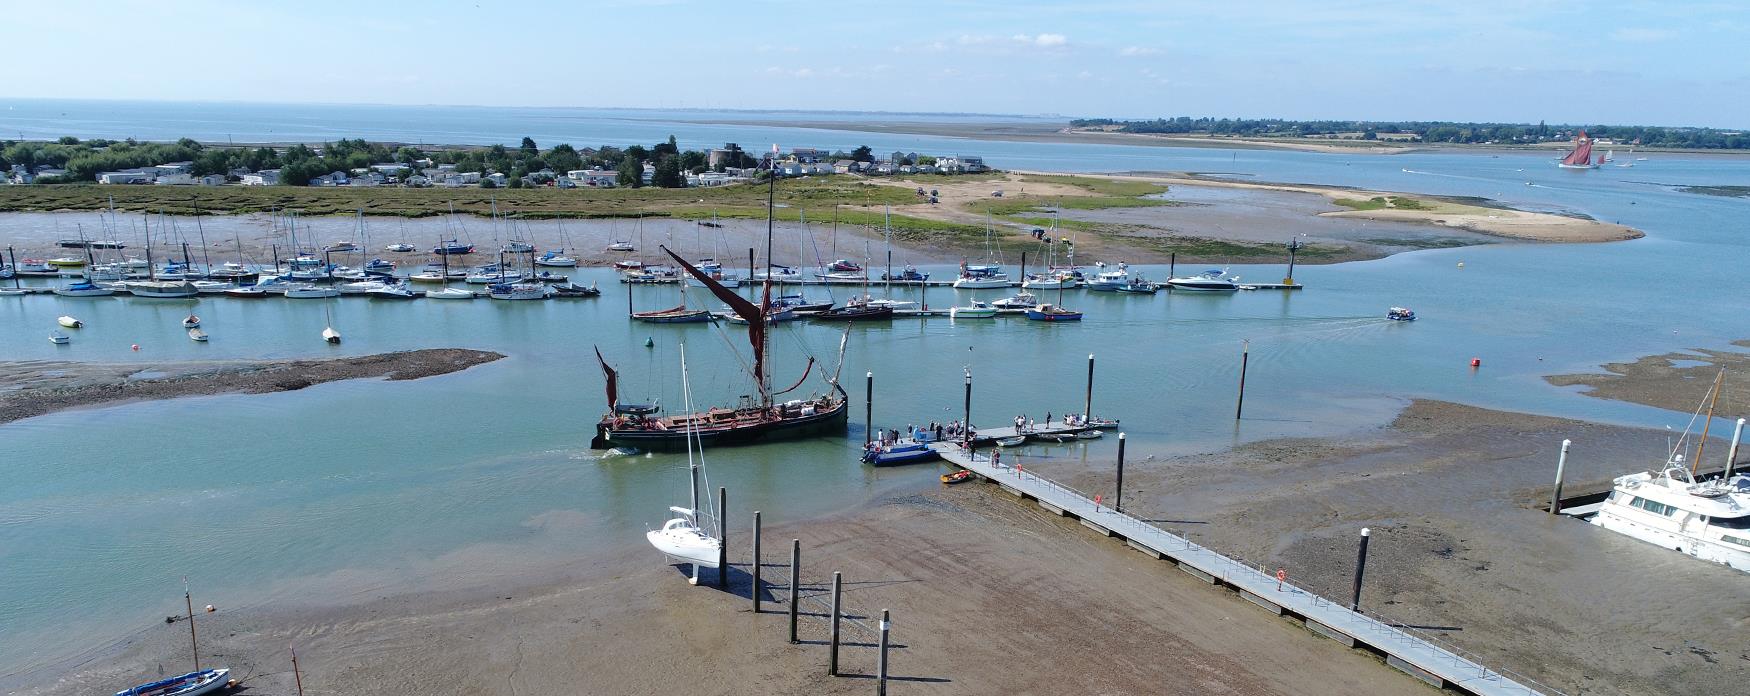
{"x": 125, "y": 177}
{"x": 174, "y": 178}
{"x": 213, "y": 180}
{"x": 265, "y": 177}
{"x": 599, "y": 178}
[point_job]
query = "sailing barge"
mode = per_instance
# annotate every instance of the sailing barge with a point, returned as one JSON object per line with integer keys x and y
{"x": 644, "y": 426}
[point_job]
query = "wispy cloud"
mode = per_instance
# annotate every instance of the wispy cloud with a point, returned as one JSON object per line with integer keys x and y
{"x": 1137, "y": 51}
{"x": 1643, "y": 35}
{"x": 1043, "y": 40}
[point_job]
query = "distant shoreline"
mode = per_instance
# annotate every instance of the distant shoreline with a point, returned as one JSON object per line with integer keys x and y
{"x": 1060, "y": 132}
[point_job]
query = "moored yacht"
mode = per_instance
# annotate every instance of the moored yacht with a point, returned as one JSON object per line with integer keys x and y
{"x": 981, "y": 277}
{"x": 1212, "y": 280}
{"x": 1709, "y": 520}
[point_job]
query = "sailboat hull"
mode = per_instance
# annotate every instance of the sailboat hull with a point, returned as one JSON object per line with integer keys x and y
{"x": 747, "y": 428}
{"x": 689, "y": 547}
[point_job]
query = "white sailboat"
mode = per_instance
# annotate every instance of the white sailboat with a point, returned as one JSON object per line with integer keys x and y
{"x": 681, "y": 537}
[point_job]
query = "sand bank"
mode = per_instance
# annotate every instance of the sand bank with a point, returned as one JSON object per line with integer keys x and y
{"x": 1434, "y": 210}
{"x": 35, "y": 387}
{"x": 1674, "y": 381}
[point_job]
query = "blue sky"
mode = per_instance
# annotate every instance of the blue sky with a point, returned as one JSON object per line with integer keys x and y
{"x": 1683, "y": 63}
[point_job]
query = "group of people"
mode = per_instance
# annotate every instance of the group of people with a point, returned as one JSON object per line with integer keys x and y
{"x": 933, "y": 432}
{"x": 1024, "y": 424}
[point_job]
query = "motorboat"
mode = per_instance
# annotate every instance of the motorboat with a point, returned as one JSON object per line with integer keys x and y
{"x": 1049, "y": 312}
{"x": 782, "y": 274}
{"x": 191, "y": 684}
{"x": 450, "y": 294}
{"x": 197, "y": 335}
{"x": 844, "y": 266}
{"x": 85, "y": 289}
{"x": 569, "y": 289}
{"x": 981, "y": 277}
{"x": 379, "y": 266}
{"x": 361, "y": 287}
{"x": 675, "y": 315}
{"x": 452, "y": 248}
{"x": 858, "y": 309}
{"x": 979, "y": 310}
{"x": 400, "y": 248}
{"x": 801, "y": 304}
{"x": 490, "y": 275}
{"x": 245, "y": 292}
{"x": 896, "y": 453}
{"x": 69, "y": 322}
{"x": 1011, "y": 441}
{"x": 35, "y": 267}
{"x": 910, "y": 275}
{"x": 1400, "y": 314}
{"x": 1212, "y": 280}
{"x": 1709, "y": 520}
{"x": 191, "y": 321}
{"x": 556, "y": 260}
{"x": 1024, "y": 300}
{"x": 393, "y": 291}
{"x": 161, "y": 289}
{"x": 234, "y": 273}
{"x": 211, "y": 287}
{"x": 310, "y": 292}
{"x": 517, "y": 291}
{"x": 59, "y": 338}
{"x": 1110, "y": 281}
{"x": 1138, "y": 285}
{"x": 621, "y": 246}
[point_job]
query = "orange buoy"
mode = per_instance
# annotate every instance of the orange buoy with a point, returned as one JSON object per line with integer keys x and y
{"x": 1476, "y": 362}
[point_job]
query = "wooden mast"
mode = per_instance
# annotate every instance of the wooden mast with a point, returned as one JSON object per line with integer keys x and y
{"x": 1712, "y": 401}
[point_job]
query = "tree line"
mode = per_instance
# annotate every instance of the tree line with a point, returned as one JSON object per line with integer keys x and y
{"x": 1429, "y": 131}
{"x": 298, "y": 164}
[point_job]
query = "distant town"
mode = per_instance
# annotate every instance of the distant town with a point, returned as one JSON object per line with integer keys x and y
{"x": 361, "y": 164}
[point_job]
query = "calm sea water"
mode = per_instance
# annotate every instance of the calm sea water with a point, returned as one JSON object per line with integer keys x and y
{"x": 346, "y": 492}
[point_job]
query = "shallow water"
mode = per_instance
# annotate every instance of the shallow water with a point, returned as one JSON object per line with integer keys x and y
{"x": 355, "y": 490}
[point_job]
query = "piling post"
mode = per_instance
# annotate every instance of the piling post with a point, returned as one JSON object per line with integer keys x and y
{"x": 868, "y": 407}
{"x": 1118, "y": 502}
{"x": 1172, "y": 265}
{"x": 967, "y": 423}
{"x": 1245, "y": 357}
{"x": 1555, "y": 499}
{"x": 1360, "y": 566}
{"x": 1088, "y": 404}
{"x": 795, "y": 583}
{"x": 1294, "y": 245}
{"x": 838, "y": 584}
{"x": 1732, "y": 454}
{"x": 881, "y": 664}
{"x": 750, "y": 277}
{"x": 756, "y": 562}
{"x": 722, "y": 537}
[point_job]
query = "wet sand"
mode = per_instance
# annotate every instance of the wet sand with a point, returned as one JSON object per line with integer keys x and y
{"x": 988, "y": 596}
{"x": 1461, "y": 545}
{"x": 35, "y": 387}
{"x": 1674, "y": 381}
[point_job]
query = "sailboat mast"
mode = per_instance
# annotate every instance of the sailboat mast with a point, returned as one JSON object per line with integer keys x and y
{"x": 766, "y": 287}
{"x": 193, "y": 643}
{"x": 206, "y": 258}
{"x": 692, "y": 464}
{"x": 1705, "y": 425}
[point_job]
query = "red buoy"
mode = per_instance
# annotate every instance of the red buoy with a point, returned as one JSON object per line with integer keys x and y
{"x": 1476, "y": 362}
{"x": 136, "y": 347}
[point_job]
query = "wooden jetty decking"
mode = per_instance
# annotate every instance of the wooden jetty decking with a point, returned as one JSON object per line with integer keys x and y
{"x": 1039, "y": 431}
{"x": 1416, "y": 655}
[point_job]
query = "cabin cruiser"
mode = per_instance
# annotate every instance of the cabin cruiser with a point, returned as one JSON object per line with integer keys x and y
{"x": 1709, "y": 520}
{"x": 1110, "y": 281}
{"x": 1212, "y": 280}
{"x": 1052, "y": 280}
{"x": 981, "y": 277}
{"x": 1024, "y": 300}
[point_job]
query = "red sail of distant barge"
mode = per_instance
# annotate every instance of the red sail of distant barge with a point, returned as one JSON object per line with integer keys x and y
{"x": 1581, "y": 157}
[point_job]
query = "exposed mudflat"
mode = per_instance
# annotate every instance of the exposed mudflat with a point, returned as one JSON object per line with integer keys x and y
{"x": 1675, "y": 381}
{"x": 35, "y": 387}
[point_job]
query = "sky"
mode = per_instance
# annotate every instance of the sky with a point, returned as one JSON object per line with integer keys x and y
{"x": 1651, "y": 63}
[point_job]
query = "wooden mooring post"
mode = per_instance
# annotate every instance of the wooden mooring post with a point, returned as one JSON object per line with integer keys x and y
{"x": 755, "y": 592}
{"x": 1245, "y": 357}
{"x": 795, "y": 583}
{"x": 722, "y": 537}
{"x": 838, "y": 586}
{"x": 881, "y": 664}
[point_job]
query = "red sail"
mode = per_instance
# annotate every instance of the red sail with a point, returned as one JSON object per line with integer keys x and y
{"x": 755, "y": 317}
{"x": 1582, "y": 154}
{"x": 613, "y": 379}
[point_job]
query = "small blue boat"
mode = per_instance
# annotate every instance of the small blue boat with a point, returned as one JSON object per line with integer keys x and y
{"x": 1053, "y": 313}
{"x": 191, "y": 684}
{"x": 1400, "y": 314}
{"x": 453, "y": 247}
{"x": 902, "y": 452}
